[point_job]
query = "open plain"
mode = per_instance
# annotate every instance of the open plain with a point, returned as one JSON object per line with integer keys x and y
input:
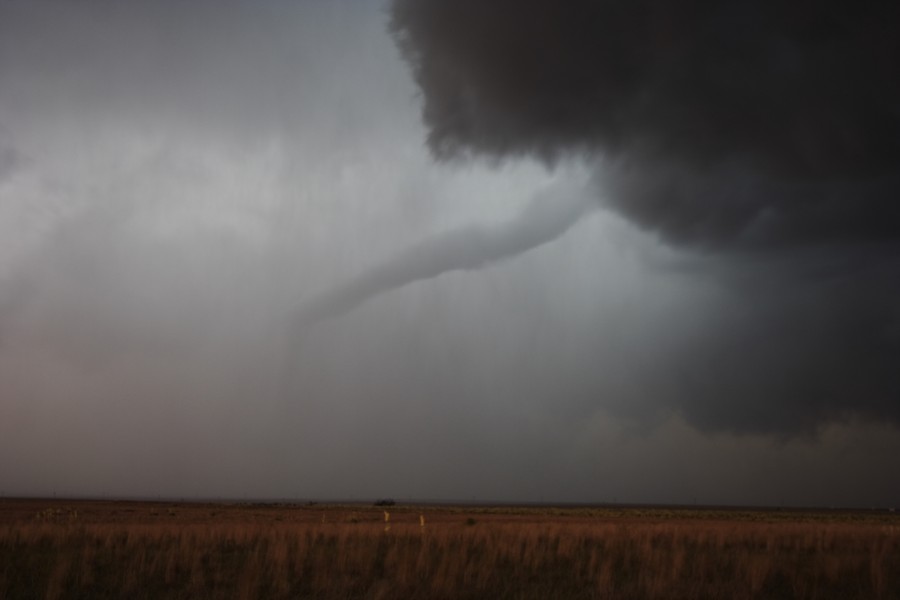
{"x": 116, "y": 549}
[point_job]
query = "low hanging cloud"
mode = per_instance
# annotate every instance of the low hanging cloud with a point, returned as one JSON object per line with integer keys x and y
{"x": 762, "y": 138}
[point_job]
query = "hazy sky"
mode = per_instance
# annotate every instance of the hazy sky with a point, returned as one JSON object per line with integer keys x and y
{"x": 450, "y": 249}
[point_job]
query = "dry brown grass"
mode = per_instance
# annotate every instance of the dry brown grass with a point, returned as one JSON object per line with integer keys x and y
{"x": 135, "y": 550}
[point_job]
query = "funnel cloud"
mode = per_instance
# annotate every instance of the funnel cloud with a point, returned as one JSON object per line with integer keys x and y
{"x": 549, "y": 215}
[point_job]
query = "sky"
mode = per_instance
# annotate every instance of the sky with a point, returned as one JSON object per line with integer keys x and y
{"x": 523, "y": 251}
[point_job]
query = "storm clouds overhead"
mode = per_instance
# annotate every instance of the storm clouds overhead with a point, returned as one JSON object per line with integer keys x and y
{"x": 576, "y": 251}
{"x": 722, "y": 123}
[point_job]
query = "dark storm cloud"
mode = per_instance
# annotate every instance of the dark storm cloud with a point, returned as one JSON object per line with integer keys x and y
{"x": 765, "y": 134}
{"x": 716, "y": 115}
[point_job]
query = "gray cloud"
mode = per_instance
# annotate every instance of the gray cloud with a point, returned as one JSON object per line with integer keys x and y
{"x": 9, "y": 157}
{"x": 765, "y": 136}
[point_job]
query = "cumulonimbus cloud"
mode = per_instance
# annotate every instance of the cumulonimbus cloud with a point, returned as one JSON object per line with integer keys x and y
{"x": 717, "y": 116}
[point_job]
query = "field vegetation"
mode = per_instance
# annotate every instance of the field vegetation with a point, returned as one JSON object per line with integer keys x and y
{"x": 51, "y": 550}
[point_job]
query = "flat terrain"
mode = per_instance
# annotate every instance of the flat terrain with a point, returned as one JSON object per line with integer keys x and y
{"x": 116, "y": 549}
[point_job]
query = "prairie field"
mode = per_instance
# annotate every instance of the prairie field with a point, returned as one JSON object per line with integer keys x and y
{"x": 53, "y": 549}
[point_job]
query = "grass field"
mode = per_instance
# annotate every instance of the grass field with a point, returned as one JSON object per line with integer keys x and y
{"x": 106, "y": 549}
